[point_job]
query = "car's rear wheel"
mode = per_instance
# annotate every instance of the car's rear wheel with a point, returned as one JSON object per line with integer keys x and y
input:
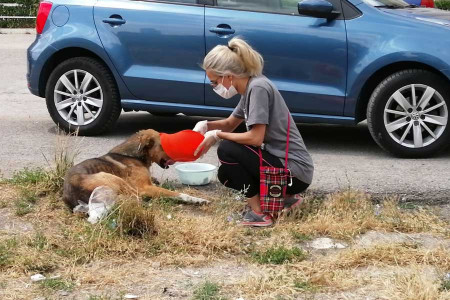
{"x": 408, "y": 113}
{"x": 82, "y": 96}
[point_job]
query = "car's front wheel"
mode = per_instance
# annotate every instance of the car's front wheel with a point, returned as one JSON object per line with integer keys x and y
{"x": 81, "y": 96}
{"x": 408, "y": 113}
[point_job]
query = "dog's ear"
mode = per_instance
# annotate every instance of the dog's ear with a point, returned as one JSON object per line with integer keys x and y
{"x": 137, "y": 145}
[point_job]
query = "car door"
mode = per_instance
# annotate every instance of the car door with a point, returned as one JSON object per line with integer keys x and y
{"x": 305, "y": 57}
{"x": 155, "y": 46}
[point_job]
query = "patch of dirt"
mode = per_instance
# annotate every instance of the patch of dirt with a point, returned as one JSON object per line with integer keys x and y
{"x": 442, "y": 211}
{"x": 7, "y": 194}
{"x": 10, "y": 224}
{"x": 424, "y": 240}
{"x": 145, "y": 279}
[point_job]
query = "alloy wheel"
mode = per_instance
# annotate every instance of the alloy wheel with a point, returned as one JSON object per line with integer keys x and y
{"x": 78, "y": 97}
{"x": 415, "y": 115}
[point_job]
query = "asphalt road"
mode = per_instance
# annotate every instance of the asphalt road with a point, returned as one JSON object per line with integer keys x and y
{"x": 343, "y": 156}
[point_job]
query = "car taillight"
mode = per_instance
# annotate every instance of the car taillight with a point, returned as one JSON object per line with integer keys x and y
{"x": 44, "y": 11}
{"x": 427, "y": 3}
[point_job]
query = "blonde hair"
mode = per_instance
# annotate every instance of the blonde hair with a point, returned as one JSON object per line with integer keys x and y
{"x": 238, "y": 58}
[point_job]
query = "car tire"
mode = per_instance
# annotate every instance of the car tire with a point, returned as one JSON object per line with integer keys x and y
{"x": 408, "y": 112}
{"x": 81, "y": 95}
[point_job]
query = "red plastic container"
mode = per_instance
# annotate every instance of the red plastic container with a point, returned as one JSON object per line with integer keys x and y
{"x": 180, "y": 146}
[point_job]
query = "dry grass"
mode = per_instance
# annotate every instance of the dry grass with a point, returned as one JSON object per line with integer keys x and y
{"x": 346, "y": 214}
{"x": 414, "y": 285}
{"x": 173, "y": 234}
{"x": 340, "y": 272}
{"x": 129, "y": 216}
{"x": 180, "y": 235}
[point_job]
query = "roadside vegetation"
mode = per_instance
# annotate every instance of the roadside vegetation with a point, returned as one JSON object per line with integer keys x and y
{"x": 24, "y": 8}
{"x": 158, "y": 242}
{"x": 442, "y": 4}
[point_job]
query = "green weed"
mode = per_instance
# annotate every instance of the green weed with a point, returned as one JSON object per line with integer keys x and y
{"x": 57, "y": 284}
{"x": 278, "y": 255}
{"x": 301, "y": 237}
{"x": 207, "y": 291}
{"x": 6, "y": 251}
{"x": 26, "y": 201}
{"x": 304, "y": 286}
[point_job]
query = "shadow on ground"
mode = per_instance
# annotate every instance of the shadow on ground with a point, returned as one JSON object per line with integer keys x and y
{"x": 320, "y": 138}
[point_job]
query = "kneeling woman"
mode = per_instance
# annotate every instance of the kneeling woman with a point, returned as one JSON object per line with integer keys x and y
{"x": 237, "y": 68}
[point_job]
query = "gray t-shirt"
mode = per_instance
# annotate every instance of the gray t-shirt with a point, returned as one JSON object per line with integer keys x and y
{"x": 267, "y": 106}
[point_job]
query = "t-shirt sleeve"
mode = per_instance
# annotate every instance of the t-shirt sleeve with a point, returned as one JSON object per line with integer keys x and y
{"x": 258, "y": 110}
{"x": 238, "y": 111}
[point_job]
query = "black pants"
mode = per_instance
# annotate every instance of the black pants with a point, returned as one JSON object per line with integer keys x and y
{"x": 239, "y": 168}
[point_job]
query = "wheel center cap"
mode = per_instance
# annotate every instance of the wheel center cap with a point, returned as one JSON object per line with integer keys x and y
{"x": 415, "y": 116}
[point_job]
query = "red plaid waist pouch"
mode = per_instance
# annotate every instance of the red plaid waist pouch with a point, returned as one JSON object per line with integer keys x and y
{"x": 273, "y": 183}
{"x": 272, "y": 188}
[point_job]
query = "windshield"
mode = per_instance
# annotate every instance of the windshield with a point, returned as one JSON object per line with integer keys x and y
{"x": 388, "y": 3}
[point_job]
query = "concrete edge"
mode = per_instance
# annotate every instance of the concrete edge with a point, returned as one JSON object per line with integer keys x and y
{"x": 17, "y": 31}
{"x": 416, "y": 197}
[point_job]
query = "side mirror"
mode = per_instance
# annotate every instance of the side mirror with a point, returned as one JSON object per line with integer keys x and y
{"x": 317, "y": 9}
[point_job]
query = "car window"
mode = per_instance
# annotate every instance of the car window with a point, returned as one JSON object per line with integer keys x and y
{"x": 273, "y": 6}
{"x": 183, "y": 1}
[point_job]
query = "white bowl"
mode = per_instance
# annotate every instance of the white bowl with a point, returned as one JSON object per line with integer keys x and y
{"x": 195, "y": 173}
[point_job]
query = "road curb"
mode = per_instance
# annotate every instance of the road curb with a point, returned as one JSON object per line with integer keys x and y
{"x": 17, "y": 31}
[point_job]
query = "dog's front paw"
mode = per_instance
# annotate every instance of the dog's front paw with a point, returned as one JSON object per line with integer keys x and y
{"x": 191, "y": 199}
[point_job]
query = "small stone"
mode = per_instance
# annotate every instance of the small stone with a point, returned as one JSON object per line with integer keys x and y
{"x": 326, "y": 243}
{"x": 156, "y": 265}
{"x": 64, "y": 293}
{"x": 37, "y": 277}
{"x": 131, "y": 296}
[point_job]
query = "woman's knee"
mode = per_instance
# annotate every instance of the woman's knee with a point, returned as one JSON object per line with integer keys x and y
{"x": 226, "y": 150}
{"x": 222, "y": 175}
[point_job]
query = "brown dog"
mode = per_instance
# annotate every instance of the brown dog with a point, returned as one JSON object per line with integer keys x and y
{"x": 125, "y": 169}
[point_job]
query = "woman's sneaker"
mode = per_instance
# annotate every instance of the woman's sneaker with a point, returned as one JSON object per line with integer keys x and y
{"x": 292, "y": 202}
{"x": 252, "y": 218}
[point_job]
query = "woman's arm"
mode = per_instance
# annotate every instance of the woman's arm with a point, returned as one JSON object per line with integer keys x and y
{"x": 253, "y": 137}
{"x": 227, "y": 125}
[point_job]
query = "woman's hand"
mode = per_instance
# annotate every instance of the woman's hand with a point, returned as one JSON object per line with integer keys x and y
{"x": 210, "y": 139}
{"x": 201, "y": 127}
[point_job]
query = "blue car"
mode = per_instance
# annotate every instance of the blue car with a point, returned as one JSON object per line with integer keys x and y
{"x": 335, "y": 61}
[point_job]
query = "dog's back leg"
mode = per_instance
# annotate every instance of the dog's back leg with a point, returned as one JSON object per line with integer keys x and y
{"x": 79, "y": 187}
{"x": 155, "y": 192}
{"x": 117, "y": 184}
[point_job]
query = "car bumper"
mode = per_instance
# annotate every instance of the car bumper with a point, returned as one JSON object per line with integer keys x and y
{"x": 34, "y": 91}
{"x": 38, "y": 55}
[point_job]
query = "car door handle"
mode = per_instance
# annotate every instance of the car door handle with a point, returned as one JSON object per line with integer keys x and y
{"x": 114, "y": 20}
{"x": 220, "y": 30}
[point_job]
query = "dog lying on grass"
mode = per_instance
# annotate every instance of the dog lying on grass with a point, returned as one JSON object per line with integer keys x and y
{"x": 124, "y": 169}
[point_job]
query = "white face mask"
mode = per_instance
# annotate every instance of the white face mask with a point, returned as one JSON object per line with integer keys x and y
{"x": 224, "y": 92}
